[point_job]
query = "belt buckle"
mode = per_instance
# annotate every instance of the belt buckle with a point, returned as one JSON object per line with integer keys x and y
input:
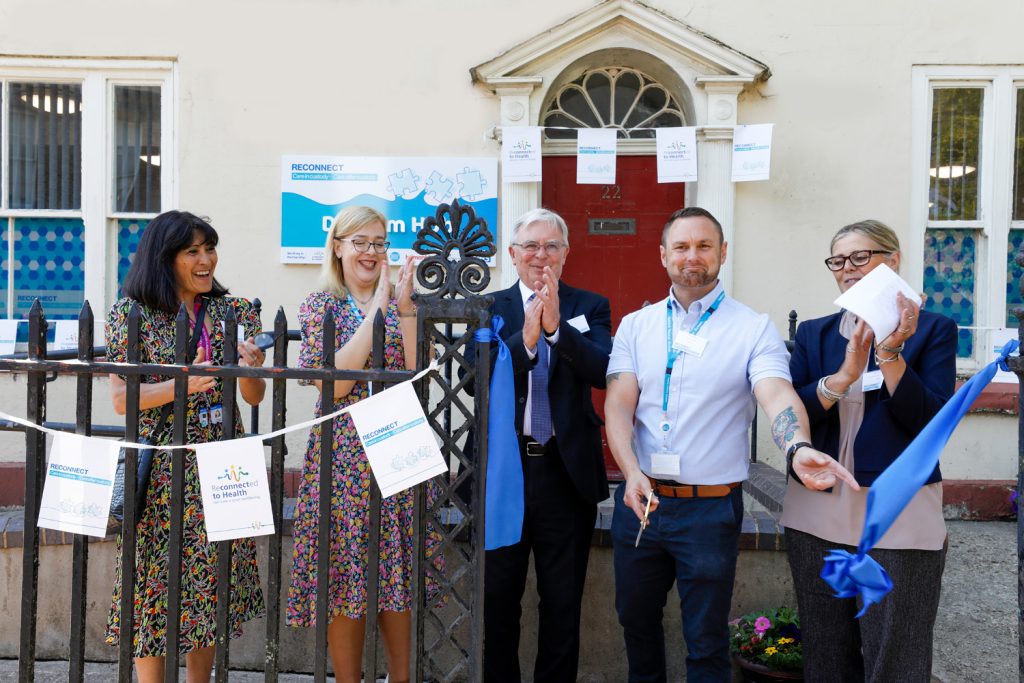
{"x": 534, "y": 449}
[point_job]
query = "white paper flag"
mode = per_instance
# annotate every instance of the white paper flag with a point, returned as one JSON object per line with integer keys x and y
{"x": 677, "y": 154}
{"x": 236, "y": 497}
{"x": 751, "y": 152}
{"x": 873, "y": 299}
{"x": 79, "y": 484}
{"x": 595, "y": 156}
{"x": 65, "y": 335}
{"x": 399, "y": 443}
{"x": 520, "y": 154}
{"x": 8, "y": 336}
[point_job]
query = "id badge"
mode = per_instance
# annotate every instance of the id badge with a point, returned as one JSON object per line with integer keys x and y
{"x": 690, "y": 344}
{"x": 204, "y": 417}
{"x": 871, "y": 380}
{"x": 217, "y": 414}
{"x": 665, "y": 464}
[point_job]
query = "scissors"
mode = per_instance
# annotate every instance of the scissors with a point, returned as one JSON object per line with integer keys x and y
{"x": 643, "y": 522}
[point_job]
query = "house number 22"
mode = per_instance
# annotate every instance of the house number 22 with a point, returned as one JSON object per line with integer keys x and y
{"x": 611, "y": 192}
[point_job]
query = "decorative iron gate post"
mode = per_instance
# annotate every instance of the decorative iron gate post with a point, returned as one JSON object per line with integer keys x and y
{"x": 448, "y": 625}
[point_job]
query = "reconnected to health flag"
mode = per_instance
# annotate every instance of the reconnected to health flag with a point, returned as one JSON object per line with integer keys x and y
{"x": 505, "y": 497}
{"x": 852, "y": 575}
{"x": 677, "y": 154}
{"x": 520, "y": 154}
{"x": 233, "y": 481}
{"x": 79, "y": 484}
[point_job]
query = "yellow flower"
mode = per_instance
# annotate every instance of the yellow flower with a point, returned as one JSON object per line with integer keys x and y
{"x": 770, "y": 650}
{"x": 784, "y": 641}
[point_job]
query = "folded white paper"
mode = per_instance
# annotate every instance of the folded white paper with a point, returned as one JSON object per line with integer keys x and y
{"x": 873, "y": 300}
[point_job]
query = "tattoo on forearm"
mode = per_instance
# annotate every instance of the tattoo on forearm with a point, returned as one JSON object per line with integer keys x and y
{"x": 612, "y": 377}
{"x": 784, "y": 427}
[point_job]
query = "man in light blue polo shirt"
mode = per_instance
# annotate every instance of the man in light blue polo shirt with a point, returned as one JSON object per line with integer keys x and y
{"x": 682, "y": 382}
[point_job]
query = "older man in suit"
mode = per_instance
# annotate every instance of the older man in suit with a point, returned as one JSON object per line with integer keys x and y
{"x": 559, "y": 338}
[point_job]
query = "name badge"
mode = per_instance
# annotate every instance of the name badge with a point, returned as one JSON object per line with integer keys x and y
{"x": 580, "y": 323}
{"x": 665, "y": 464}
{"x": 204, "y": 417}
{"x": 217, "y": 414}
{"x": 871, "y": 380}
{"x": 690, "y": 344}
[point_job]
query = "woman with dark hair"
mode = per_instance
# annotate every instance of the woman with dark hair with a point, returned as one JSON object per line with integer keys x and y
{"x": 175, "y": 265}
{"x": 867, "y": 399}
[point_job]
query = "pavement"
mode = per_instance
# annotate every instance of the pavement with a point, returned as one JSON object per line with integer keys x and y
{"x": 975, "y": 634}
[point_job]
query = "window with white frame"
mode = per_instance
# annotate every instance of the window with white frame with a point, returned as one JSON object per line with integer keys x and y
{"x": 969, "y": 196}
{"x": 84, "y": 165}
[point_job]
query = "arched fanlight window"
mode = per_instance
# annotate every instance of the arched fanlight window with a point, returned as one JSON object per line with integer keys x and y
{"x": 612, "y": 97}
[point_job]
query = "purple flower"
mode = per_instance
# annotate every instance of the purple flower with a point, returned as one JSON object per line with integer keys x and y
{"x": 762, "y": 624}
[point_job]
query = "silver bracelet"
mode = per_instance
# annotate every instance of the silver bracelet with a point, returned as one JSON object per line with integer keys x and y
{"x": 892, "y": 349}
{"x": 828, "y": 393}
{"x": 883, "y": 361}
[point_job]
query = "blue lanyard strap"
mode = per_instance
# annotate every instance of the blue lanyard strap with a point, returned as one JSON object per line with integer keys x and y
{"x": 672, "y": 352}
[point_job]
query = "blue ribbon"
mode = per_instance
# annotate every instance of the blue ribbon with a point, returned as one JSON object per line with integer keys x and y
{"x": 852, "y": 575}
{"x": 505, "y": 500}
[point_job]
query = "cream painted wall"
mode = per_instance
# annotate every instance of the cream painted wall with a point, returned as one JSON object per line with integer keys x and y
{"x": 256, "y": 80}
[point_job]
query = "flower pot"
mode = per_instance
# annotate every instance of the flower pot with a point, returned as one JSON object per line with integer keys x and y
{"x": 756, "y": 672}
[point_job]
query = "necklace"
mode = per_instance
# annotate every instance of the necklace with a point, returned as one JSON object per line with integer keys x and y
{"x": 360, "y": 301}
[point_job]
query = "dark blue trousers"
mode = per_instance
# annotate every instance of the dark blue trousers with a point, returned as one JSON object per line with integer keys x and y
{"x": 694, "y": 542}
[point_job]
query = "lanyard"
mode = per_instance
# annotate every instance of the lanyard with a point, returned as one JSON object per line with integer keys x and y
{"x": 204, "y": 336}
{"x": 672, "y": 352}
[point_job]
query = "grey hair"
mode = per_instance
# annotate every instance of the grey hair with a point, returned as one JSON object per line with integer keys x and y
{"x": 877, "y": 231}
{"x": 540, "y": 216}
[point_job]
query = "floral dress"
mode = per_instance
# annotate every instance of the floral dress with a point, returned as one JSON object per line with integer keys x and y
{"x": 350, "y": 502}
{"x": 198, "y": 558}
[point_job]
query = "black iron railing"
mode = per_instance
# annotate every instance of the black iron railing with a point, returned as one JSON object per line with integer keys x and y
{"x": 448, "y": 627}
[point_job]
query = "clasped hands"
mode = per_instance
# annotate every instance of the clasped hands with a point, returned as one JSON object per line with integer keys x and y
{"x": 249, "y": 356}
{"x": 542, "y": 313}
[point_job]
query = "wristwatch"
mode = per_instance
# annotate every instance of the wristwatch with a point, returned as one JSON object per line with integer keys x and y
{"x": 791, "y": 451}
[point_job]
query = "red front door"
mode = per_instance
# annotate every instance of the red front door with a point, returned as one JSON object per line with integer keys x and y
{"x": 614, "y": 234}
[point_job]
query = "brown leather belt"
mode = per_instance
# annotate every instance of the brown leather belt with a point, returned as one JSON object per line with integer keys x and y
{"x": 692, "y": 490}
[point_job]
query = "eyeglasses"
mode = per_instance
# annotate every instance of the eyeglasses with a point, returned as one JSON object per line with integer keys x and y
{"x": 362, "y": 246}
{"x": 857, "y": 258}
{"x": 531, "y": 248}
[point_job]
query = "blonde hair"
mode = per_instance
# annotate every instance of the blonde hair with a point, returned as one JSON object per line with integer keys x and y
{"x": 348, "y": 221}
{"x": 877, "y": 231}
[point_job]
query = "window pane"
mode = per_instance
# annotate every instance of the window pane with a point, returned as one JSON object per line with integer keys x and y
{"x": 45, "y": 146}
{"x": 137, "y": 149}
{"x": 1013, "y": 276}
{"x": 1018, "y": 160}
{"x": 129, "y": 232}
{"x": 949, "y": 279}
{"x": 49, "y": 254}
{"x": 955, "y": 154}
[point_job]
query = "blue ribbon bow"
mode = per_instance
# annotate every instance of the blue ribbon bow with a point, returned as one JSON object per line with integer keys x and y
{"x": 850, "y": 574}
{"x": 505, "y": 500}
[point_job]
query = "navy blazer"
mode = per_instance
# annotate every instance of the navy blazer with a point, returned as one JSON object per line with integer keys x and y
{"x": 890, "y": 421}
{"x": 577, "y": 364}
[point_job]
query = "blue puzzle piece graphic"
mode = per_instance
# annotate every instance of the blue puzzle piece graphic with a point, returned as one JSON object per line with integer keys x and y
{"x": 438, "y": 187}
{"x": 472, "y": 183}
{"x": 404, "y": 183}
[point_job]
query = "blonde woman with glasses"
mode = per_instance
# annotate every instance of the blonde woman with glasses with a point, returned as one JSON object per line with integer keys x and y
{"x": 354, "y": 286}
{"x": 866, "y": 400}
